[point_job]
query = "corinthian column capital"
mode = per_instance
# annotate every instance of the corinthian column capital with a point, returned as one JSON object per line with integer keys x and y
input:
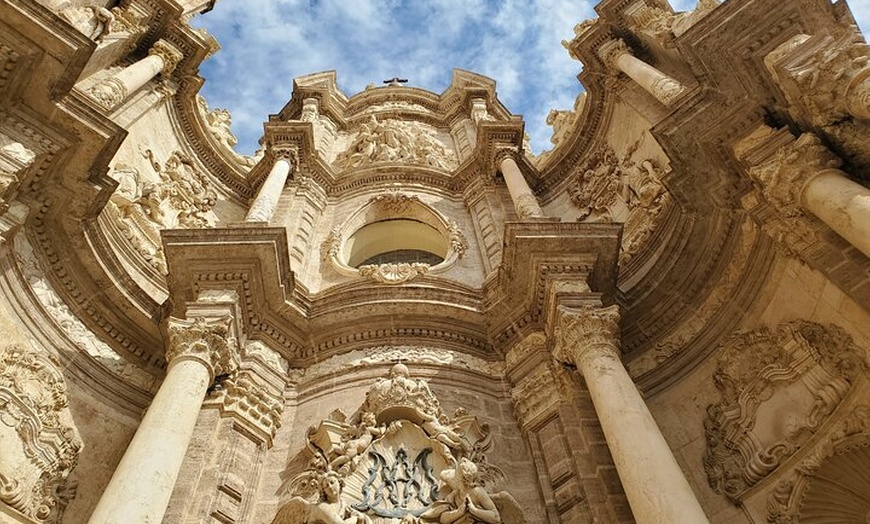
{"x": 610, "y": 51}
{"x": 170, "y": 55}
{"x": 209, "y": 341}
{"x": 586, "y": 332}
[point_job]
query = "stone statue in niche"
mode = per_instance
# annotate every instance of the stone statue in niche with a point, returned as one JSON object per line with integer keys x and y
{"x": 403, "y": 461}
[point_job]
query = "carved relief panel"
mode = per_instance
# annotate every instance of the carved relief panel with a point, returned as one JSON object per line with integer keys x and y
{"x": 174, "y": 194}
{"x": 400, "y": 458}
{"x": 776, "y": 390}
{"x": 39, "y": 444}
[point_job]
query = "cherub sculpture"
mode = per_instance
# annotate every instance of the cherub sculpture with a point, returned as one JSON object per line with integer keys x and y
{"x": 466, "y": 501}
{"x": 367, "y": 431}
{"x": 330, "y": 509}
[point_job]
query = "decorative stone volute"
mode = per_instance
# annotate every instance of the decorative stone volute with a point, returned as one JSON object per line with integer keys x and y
{"x": 207, "y": 340}
{"x": 169, "y": 53}
{"x": 586, "y": 332}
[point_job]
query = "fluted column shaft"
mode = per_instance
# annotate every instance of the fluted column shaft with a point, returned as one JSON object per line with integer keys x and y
{"x": 267, "y": 197}
{"x": 525, "y": 202}
{"x": 654, "y": 484}
{"x": 618, "y": 56}
{"x": 843, "y": 205}
{"x": 162, "y": 58}
{"x": 142, "y": 484}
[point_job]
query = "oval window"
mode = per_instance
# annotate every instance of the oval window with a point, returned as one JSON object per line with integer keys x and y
{"x": 396, "y": 241}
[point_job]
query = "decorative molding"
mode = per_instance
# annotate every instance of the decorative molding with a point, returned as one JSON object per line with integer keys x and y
{"x": 538, "y": 395}
{"x": 394, "y": 273}
{"x": 40, "y": 443}
{"x": 246, "y": 396}
{"x": 801, "y": 372}
{"x": 70, "y": 325}
{"x": 831, "y": 483}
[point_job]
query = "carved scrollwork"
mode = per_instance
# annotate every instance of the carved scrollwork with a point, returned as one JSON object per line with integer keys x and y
{"x": 394, "y": 273}
{"x": 109, "y": 93}
{"x": 170, "y": 55}
{"x": 801, "y": 372}
{"x": 180, "y": 197}
{"x": 39, "y": 444}
{"x": 614, "y": 189}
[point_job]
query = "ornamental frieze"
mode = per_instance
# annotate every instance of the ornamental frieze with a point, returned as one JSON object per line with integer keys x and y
{"x": 400, "y": 459}
{"x": 776, "y": 389}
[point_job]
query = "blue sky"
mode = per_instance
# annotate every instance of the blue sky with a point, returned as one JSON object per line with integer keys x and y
{"x": 267, "y": 43}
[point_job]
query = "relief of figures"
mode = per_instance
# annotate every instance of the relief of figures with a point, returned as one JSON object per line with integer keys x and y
{"x": 403, "y": 461}
{"x": 396, "y": 141}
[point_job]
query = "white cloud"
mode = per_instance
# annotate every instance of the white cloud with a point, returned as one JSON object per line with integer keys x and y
{"x": 267, "y": 43}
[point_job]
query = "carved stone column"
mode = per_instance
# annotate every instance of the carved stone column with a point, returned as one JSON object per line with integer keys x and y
{"x": 657, "y": 490}
{"x": 525, "y": 202}
{"x": 801, "y": 174}
{"x": 267, "y": 197}
{"x": 162, "y": 58}
{"x": 616, "y": 54}
{"x": 199, "y": 350}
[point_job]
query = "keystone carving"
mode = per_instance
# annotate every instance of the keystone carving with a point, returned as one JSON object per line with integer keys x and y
{"x": 776, "y": 389}
{"x": 209, "y": 341}
{"x": 39, "y": 443}
{"x": 400, "y": 459}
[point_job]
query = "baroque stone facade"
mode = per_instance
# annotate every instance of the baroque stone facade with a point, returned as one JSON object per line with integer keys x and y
{"x": 394, "y": 312}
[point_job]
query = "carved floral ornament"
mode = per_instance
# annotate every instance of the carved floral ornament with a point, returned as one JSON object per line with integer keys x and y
{"x": 394, "y": 204}
{"x": 39, "y": 444}
{"x": 586, "y": 332}
{"x": 400, "y": 459}
{"x": 610, "y": 188}
{"x": 776, "y": 390}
